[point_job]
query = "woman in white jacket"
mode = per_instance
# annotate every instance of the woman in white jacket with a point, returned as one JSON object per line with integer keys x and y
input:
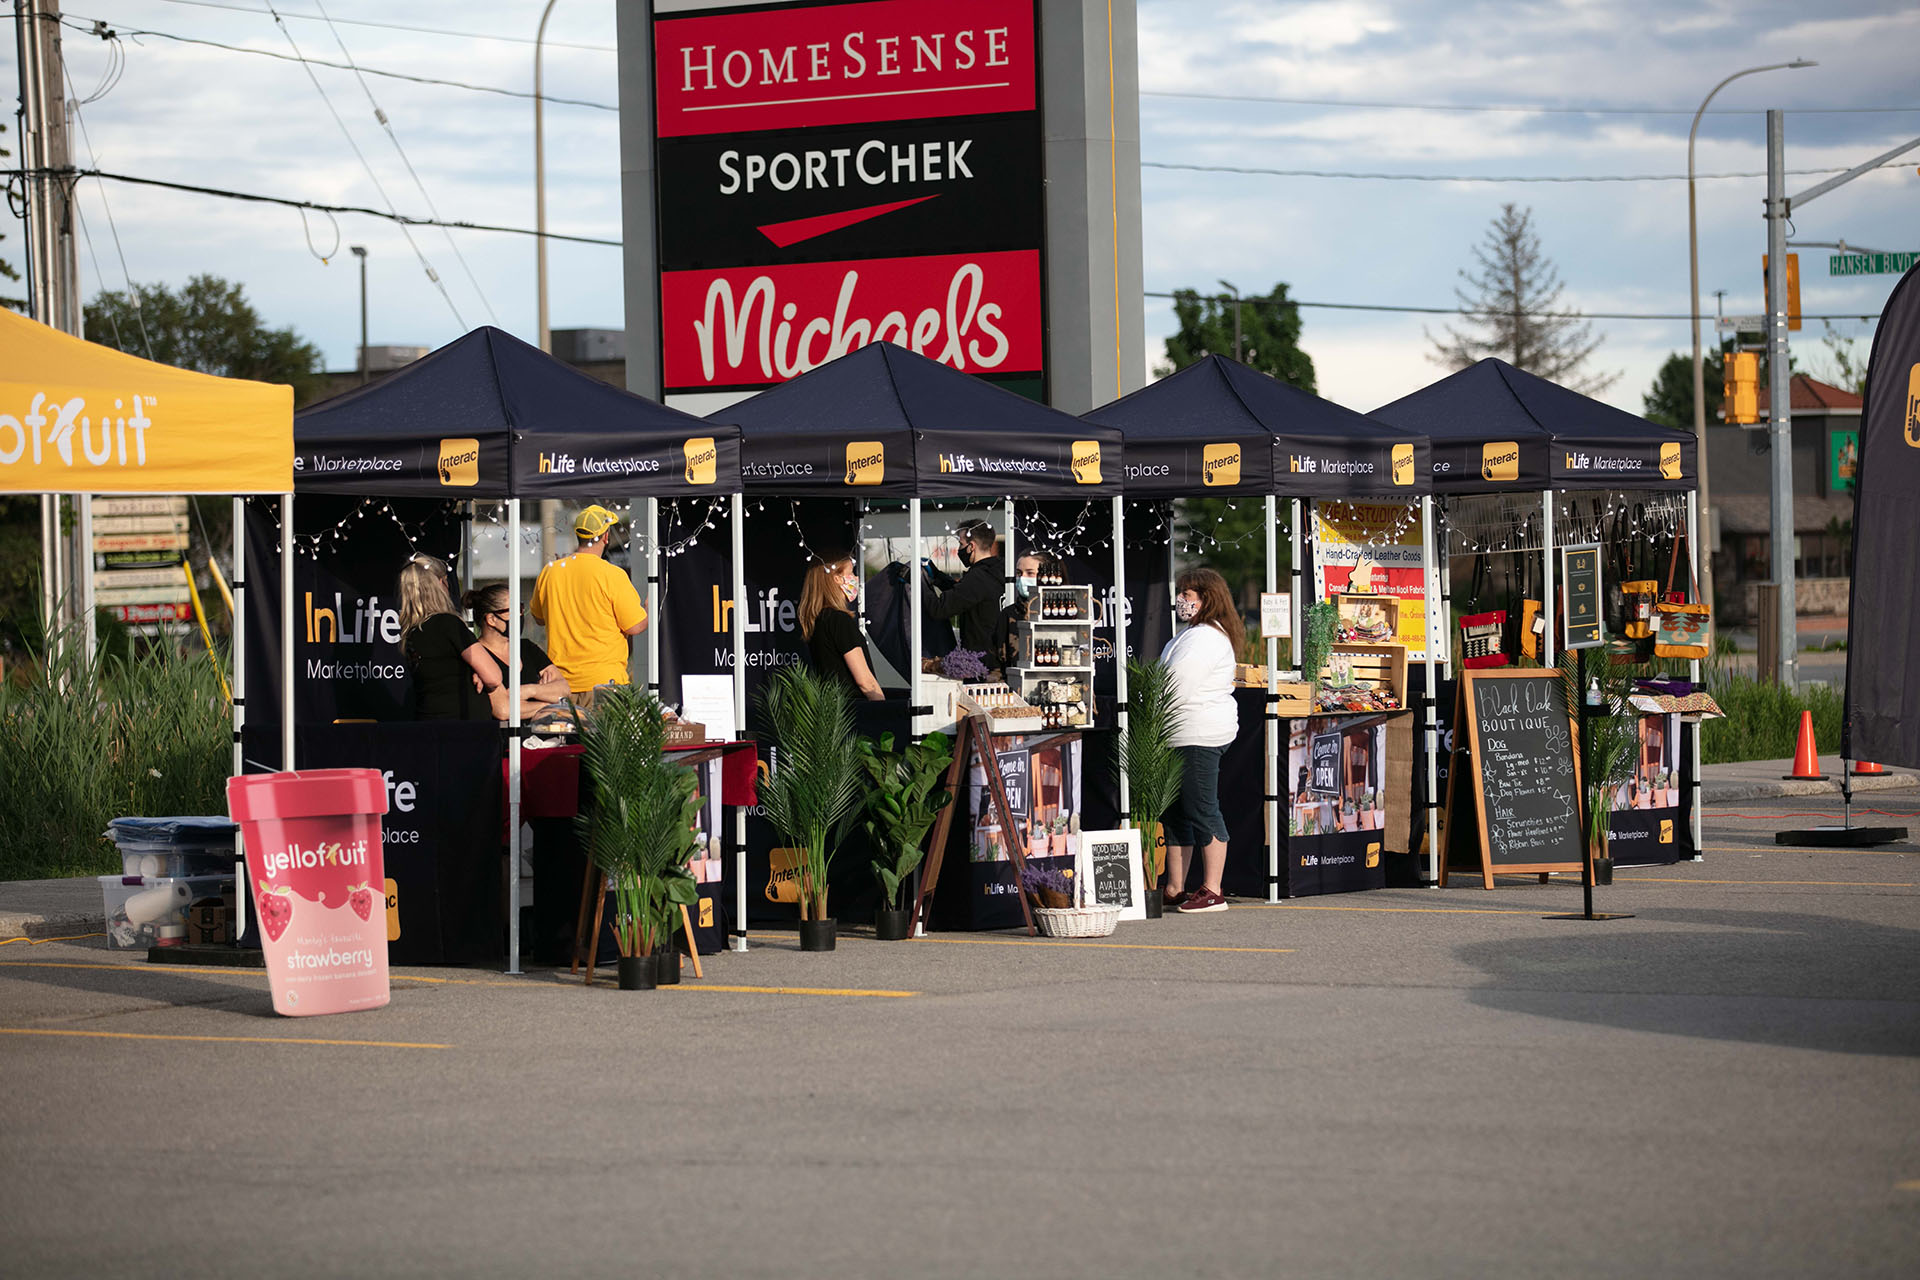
{"x": 1200, "y": 663}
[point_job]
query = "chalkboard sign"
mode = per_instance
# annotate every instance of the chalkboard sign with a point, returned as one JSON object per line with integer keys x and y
{"x": 1524, "y": 768}
{"x": 1110, "y": 863}
{"x": 1326, "y": 763}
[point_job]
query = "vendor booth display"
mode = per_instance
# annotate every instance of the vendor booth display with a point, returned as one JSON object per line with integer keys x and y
{"x": 487, "y": 418}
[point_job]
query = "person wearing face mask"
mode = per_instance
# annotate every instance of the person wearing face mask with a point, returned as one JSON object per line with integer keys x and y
{"x": 827, "y": 622}
{"x": 1200, "y": 662}
{"x": 1026, "y": 590}
{"x": 972, "y": 602}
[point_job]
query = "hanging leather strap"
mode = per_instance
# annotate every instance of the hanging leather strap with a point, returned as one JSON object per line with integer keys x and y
{"x": 1673, "y": 564}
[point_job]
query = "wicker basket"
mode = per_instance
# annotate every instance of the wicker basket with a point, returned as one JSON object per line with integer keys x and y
{"x": 1077, "y": 922}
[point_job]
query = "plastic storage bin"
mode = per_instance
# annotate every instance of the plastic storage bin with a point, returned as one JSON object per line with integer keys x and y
{"x": 176, "y": 846}
{"x": 142, "y": 910}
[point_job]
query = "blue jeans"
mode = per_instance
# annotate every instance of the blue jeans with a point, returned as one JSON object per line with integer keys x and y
{"x": 1195, "y": 817}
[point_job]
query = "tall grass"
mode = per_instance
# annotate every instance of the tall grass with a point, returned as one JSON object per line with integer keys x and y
{"x": 1763, "y": 718}
{"x": 84, "y": 742}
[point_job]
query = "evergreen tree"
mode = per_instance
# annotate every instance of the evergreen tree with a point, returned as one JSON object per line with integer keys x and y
{"x": 1669, "y": 401}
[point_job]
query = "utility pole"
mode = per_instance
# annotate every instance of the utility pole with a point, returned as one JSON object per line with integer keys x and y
{"x": 360, "y": 251}
{"x": 1780, "y": 397}
{"x": 52, "y": 275}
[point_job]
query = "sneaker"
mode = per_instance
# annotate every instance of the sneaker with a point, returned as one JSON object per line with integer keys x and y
{"x": 1202, "y": 900}
{"x": 1172, "y": 901}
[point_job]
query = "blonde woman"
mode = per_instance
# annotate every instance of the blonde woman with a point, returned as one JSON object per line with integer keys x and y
{"x": 833, "y": 637}
{"x": 453, "y": 677}
{"x": 539, "y": 682}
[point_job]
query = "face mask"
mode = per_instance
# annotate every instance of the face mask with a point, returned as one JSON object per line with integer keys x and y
{"x": 1025, "y": 587}
{"x": 852, "y": 588}
{"x": 964, "y": 555}
{"x": 1186, "y": 610}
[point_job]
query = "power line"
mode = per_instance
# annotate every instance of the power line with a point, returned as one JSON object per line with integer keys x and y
{"x": 1460, "y": 311}
{"x": 133, "y": 293}
{"x": 314, "y": 206}
{"x": 399, "y": 26}
{"x": 107, "y": 31}
{"x": 1460, "y": 177}
{"x": 1535, "y": 109}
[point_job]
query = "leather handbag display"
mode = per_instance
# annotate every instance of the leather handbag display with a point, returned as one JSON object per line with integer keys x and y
{"x": 1682, "y": 629}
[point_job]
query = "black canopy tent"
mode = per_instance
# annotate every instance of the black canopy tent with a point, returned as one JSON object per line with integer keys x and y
{"x": 1218, "y": 428}
{"x": 885, "y": 422}
{"x": 491, "y": 417}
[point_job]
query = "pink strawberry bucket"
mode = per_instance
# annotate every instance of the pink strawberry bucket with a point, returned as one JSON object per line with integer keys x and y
{"x": 318, "y": 885}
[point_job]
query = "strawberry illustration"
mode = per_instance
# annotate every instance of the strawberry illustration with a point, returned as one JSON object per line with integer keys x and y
{"x": 361, "y": 900}
{"x": 276, "y": 911}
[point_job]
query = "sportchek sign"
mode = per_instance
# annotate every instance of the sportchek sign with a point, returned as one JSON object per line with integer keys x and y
{"x": 830, "y": 175}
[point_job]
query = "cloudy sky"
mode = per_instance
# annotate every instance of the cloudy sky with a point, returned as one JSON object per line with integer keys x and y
{"x": 1456, "y": 94}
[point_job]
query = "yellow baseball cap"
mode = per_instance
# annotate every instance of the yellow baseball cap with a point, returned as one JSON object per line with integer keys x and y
{"x": 594, "y": 521}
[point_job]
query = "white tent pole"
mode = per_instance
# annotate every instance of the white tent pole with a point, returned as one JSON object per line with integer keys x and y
{"x": 1693, "y": 671}
{"x": 739, "y": 939}
{"x": 513, "y": 738}
{"x": 1546, "y": 596}
{"x": 1298, "y": 605}
{"x": 915, "y": 645}
{"x": 1173, "y": 572}
{"x": 652, "y": 508}
{"x": 287, "y": 761}
{"x": 1007, "y": 553}
{"x": 1268, "y": 715}
{"x": 1432, "y": 728}
{"x": 1118, "y": 617}
{"x": 89, "y": 632}
{"x": 239, "y": 588}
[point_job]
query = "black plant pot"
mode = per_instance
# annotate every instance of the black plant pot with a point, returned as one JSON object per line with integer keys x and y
{"x": 893, "y": 924}
{"x": 1155, "y": 904}
{"x": 667, "y": 965}
{"x": 818, "y": 935}
{"x": 1603, "y": 871}
{"x": 636, "y": 973}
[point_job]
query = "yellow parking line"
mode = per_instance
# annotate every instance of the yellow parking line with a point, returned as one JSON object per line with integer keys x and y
{"x": 1441, "y": 911}
{"x": 139, "y": 966}
{"x": 1110, "y": 946}
{"x": 138, "y": 1035}
{"x": 1843, "y": 884}
{"x": 1795, "y": 848}
{"x": 700, "y": 985}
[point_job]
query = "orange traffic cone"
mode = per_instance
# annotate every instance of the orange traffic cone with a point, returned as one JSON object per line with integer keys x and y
{"x": 1863, "y": 768}
{"x": 1806, "y": 761}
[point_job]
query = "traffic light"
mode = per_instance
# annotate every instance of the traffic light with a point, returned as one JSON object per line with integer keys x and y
{"x": 1793, "y": 289}
{"x": 1741, "y": 401}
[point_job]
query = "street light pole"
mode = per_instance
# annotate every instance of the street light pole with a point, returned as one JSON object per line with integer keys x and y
{"x": 1693, "y": 265}
{"x": 540, "y": 183}
{"x": 360, "y": 251}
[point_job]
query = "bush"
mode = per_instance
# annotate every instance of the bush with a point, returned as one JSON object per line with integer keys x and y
{"x": 82, "y": 743}
{"x": 1763, "y": 720}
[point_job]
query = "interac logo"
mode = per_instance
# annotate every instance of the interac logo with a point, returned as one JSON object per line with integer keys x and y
{"x": 1403, "y": 464}
{"x": 1666, "y": 831}
{"x": 1670, "y": 460}
{"x": 1500, "y": 460}
{"x": 1373, "y": 854}
{"x": 1913, "y": 406}
{"x": 460, "y": 463}
{"x": 1086, "y": 462}
{"x": 1219, "y": 465}
{"x": 702, "y": 458}
{"x": 866, "y": 462}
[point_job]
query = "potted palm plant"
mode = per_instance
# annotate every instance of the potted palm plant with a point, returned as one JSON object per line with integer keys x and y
{"x": 1152, "y": 764}
{"x": 639, "y": 829}
{"x": 905, "y": 801}
{"x": 1609, "y": 743}
{"x": 814, "y": 784}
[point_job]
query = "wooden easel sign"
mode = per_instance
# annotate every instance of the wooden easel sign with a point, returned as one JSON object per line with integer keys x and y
{"x": 1107, "y": 863}
{"x": 1523, "y": 758}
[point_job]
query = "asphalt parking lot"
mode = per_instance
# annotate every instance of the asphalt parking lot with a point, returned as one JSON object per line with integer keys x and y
{"x": 1410, "y": 1082}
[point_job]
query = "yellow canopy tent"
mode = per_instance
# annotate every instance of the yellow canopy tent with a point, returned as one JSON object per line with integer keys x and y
{"x": 76, "y": 417}
{"x": 80, "y": 418}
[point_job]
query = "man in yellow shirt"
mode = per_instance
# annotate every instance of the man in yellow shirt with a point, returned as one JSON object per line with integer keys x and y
{"x": 589, "y": 607}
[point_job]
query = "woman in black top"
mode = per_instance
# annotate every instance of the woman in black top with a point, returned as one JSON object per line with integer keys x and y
{"x": 452, "y": 674}
{"x": 832, "y": 633}
{"x": 534, "y": 675}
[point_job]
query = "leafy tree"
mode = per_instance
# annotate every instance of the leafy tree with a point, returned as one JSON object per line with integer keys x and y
{"x": 7, "y": 270}
{"x": 1669, "y": 401}
{"x": 1843, "y": 367}
{"x": 1269, "y": 334}
{"x": 1515, "y": 312}
{"x": 207, "y": 326}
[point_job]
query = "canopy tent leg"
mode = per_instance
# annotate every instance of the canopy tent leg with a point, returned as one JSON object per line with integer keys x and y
{"x": 1117, "y": 610}
{"x": 1693, "y": 674}
{"x": 738, "y": 502}
{"x": 1298, "y": 605}
{"x": 1443, "y": 553}
{"x": 1173, "y": 576}
{"x": 1006, "y": 592}
{"x": 50, "y": 572}
{"x": 239, "y": 634}
{"x": 513, "y": 740}
{"x": 1432, "y": 729}
{"x": 1546, "y": 594}
{"x": 466, "y": 547}
{"x": 651, "y": 507}
{"x": 915, "y": 647}
{"x": 1270, "y": 717}
{"x": 287, "y": 761}
{"x": 89, "y": 633}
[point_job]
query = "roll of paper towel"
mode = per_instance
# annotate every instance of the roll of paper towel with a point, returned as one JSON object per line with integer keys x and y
{"x": 151, "y": 904}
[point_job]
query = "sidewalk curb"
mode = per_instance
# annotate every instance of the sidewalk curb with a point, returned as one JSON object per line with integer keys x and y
{"x": 1712, "y": 792}
{"x": 58, "y": 924}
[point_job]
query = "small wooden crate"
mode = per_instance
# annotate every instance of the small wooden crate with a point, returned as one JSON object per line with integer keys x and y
{"x": 1250, "y": 675}
{"x": 1375, "y": 666}
{"x": 1295, "y": 699}
{"x": 1354, "y": 607}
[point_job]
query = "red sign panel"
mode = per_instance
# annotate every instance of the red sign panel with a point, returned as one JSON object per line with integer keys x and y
{"x": 842, "y": 64}
{"x": 751, "y": 326}
{"x": 139, "y": 613}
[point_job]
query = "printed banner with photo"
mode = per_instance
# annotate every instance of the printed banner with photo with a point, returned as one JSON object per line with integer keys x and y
{"x": 1043, "y": 792}
{"x": 1337, "y": 812}
{"x": 1373, "y": 548}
